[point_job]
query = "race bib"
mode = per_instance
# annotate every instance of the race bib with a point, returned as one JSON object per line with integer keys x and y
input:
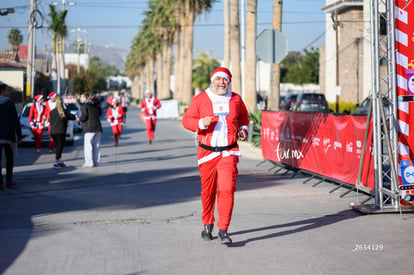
{"x": 221, "y": 107}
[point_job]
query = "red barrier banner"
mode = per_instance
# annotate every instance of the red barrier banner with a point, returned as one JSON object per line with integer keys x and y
{"x": 323, "y": 144}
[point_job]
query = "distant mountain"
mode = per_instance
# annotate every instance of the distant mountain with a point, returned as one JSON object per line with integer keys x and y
{"x": 110, "y": 55}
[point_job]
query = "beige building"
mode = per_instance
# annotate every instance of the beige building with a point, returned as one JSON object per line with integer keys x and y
{"x": 345, "y": 60}
{"x": 13, "y": 73}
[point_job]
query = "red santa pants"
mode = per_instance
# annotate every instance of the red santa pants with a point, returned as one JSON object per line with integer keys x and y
{"x": 37, "y": 134}
{"x": 219, "y": 176}
{"x": 117, "y": 130}
{"x": 150, "y": 127}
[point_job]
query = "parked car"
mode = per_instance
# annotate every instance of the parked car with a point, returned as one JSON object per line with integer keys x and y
{"x": 73, "y": 106}
{"x": 362, "y": 109}
{"x": 310, "y": 102}
{"x": 27, "y": 135}
{"x": 287, "y": 101}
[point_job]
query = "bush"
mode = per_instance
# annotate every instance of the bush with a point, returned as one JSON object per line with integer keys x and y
{"x": 256, "y": 118}
{"x": 344, "y": 107}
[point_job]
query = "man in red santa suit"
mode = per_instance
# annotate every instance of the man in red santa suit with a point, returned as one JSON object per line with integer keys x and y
{"x": 37, "y": 120}
{"x": 49, "y": 106}
{"x": 115, "y": 116}
{"x": 219, "y": 117}
{"x": 149, "y": 106}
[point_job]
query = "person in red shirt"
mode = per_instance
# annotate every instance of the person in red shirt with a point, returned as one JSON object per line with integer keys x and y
{"x": 49, "y": 106}
{"x": 115, "y": 116}
{"x": 149, "y": 106}
{"x": 37, "y": 120}
{"x": 219, "y": 117}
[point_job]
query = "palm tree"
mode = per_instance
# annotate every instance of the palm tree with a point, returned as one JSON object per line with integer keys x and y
{"x": 188, "y": 9}
{"x": 15, "y": 38}
{"x": 59, "y": 32}
{"x": 154, "y": 41}
{"x": 164, "y": 24}
{"x": 235, "y": 45}
{"x": 160, "y": 35}
{"x": 251, "y": 19}
{"x": 203, "y": 66}
{"x": 226, "y": 62}
{"x": 277, "y": 25}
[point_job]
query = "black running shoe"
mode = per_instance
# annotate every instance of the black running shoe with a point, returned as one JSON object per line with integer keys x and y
{"x": 223, "y": 237}
{"x": 206, "y": 233}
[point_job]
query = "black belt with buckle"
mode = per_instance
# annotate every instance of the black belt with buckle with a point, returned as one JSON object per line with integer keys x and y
{"x": 217, "y": 149}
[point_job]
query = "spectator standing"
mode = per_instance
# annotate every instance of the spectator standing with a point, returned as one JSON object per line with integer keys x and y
{"x": 59, "y": 117}
{"x": 92, "y": 129}
{"x": 115, "y": 115}
{"x": 37, "y": 120}
{"x": 149, "y": 106}
{"x": 124, "y": 101}
{"x": 10, "y": 132}
{"x": 49, "y": 105}
{"x": 219, "y": 117}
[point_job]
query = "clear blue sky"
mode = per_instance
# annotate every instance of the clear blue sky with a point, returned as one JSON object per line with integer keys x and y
{"x": 116, "y": 22}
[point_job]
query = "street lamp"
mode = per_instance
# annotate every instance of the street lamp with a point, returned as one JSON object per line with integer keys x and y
{"x": 4, "y": 12}
{"x": 64, "y": 3}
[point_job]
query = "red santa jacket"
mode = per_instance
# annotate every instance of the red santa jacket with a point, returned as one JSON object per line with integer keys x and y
{"x": 36, "y": 116}
{"x": 224, "y": 128}
{"x": 47, "y": 112}
{"x": 150, "y": 107}
{"x": 115, "y": 115}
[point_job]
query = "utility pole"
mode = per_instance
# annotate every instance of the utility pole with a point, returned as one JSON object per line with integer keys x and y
{"x": 275, "y": 74}
{"x": 78, "y": 40}
{"x": 336, "y": 26}
{"x": 30, "y": 68}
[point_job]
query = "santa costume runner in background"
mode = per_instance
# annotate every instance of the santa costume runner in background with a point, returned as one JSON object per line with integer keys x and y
{"x": 115, "y": 116}
{"x": 149, "y": 106}
{"x": 37, "y": 120}
{"x": 218, "y": 116}
{"x": 49, "y": 106}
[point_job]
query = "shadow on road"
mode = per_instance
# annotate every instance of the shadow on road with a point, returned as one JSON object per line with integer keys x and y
{"x": 300, "y": 226}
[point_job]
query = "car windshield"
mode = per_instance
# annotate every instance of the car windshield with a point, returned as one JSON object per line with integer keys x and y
{"x": 314, "y": 97}
{"x": 26, "y": 111}
{"x": 72, "y": 107}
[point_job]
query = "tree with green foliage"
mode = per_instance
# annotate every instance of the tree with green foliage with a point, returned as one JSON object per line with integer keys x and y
{"x": 15, "y": 38}
{"x": 302, "y": 69}
{"x": 291, "y": 59}
{"x": 81, "y": 81}
{"x": 99, "y": 72}
{"x": 202, "y": 68}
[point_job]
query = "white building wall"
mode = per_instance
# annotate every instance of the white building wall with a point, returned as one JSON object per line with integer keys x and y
{"x": 330, "y": 57}
{"x": 367, "y": 83}
{"x": 13, "y": 78}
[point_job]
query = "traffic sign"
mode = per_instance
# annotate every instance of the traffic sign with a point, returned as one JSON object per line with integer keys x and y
{"x": 271, "y": 46}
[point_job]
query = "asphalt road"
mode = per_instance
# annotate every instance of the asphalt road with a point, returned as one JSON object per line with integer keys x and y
{"x": 139, "y": 213}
